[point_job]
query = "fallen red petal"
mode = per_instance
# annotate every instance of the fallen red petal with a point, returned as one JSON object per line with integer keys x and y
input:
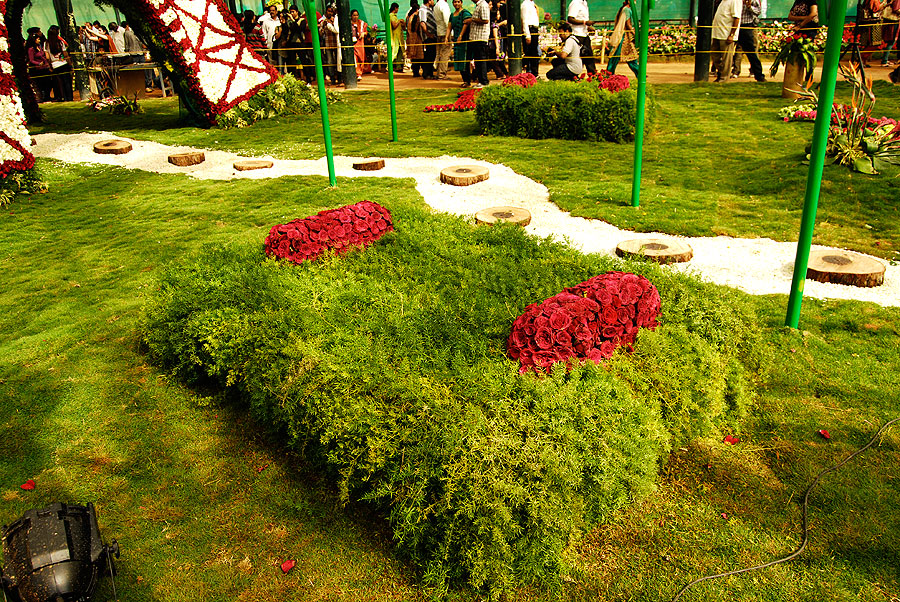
{"x": 28, "y": 485}
{"x": 287, "y": 565}
{"x": 724, "y": 515}
{"x": 731, "y": 440}
{"x": 262, "y": 468}
{"x": 825, "y": 434}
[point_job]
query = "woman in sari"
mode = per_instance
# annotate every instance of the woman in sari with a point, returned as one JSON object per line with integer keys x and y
{"x": 397, "y": 27}
{"x": 622, "y": 40}
{"x": 459, "y": 32}
{"x": 359, "y": 28}
{"x": 415, "y": 51}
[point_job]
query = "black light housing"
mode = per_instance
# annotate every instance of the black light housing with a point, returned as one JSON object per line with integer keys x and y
{"x": 55, "y": 554}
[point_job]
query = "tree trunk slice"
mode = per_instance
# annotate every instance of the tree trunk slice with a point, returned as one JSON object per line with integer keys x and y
{"x": 845, "y": 267}
{"x": 507, "y": 215}
{"x": 369, "y": 165}
{"x": 660, "y": 250}
{"x": 251, "y": 164}
{"x": 187, "y": 159}
{"x": 464, "y": 175}
{"x": 112, "y": 147}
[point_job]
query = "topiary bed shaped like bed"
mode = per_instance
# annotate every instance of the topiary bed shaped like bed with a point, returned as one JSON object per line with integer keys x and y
{"x": 388, "y": 366}
{"x": 599, "y": 107}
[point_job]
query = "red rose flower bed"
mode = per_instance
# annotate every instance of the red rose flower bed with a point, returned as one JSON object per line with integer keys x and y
{"x": 339, "y": 229}
{"x": 606, "y": 80}
{"x": 586, "y": 322}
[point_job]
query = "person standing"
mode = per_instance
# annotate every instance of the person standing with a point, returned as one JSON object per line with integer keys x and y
{"x": 39, "y": 64}
{"x": 358, "y": 28}
{"x": 328, "y": 29}
{"x": 621, "y": 42}
{"x": 531, "y": 53}
{"x": 58, "y": 52}
{"x": 579, "y": 17}
{"x": 445, "y": 44}
{"x": 891, "y": 17}
{"x": 479, "y": 32}
{"x": 397, "y": 27}
{"x": 117, "y": 38}
{"x": 746, "y": 41}
{"x": 269, "y": 23}
{"x": 459, "y": 31}
{"x": 428, "y": 27}
{"x": 414, "y": 49}
{"x": 725, "y": 28}
{"x": 567, "y": 64}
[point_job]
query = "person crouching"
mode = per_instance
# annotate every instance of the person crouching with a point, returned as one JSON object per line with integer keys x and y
{"x": 567, "y": 60}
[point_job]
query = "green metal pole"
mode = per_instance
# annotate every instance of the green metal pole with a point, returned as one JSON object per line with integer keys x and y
{"x": 389, "y": 32}
{"x": 320, "y": 80}
{"x": 817, "y": 158}
{"x": 641, "y": 103}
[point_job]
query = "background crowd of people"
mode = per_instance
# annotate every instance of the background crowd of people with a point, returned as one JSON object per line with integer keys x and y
{"x": 435, "y": 38}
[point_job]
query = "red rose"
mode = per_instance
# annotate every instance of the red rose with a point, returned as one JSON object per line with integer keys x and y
{"x": 543, "y": 338}
{"x": 560, "y": 320}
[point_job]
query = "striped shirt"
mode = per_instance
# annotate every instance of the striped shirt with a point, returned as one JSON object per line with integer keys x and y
{"x": 480, "y": 32}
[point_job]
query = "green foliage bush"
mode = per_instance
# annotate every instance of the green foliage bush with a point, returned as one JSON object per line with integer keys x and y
{"x": 287, "y": 96}
{"x": 387, "y": 368}
{"x": 567, "y": 110}
{"x": 20, "y": 182}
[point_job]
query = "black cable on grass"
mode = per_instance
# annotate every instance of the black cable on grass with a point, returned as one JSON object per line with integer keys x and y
{"x": 805, "y": 539}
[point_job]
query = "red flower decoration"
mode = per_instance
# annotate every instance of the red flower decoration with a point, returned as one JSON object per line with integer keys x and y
{"x": 28, "y": 485}
{"x": 287, "y": 565}
{"x": 586, "y": 322}
{"x": 465, "y": 100}
{"x": 340, "y": 229}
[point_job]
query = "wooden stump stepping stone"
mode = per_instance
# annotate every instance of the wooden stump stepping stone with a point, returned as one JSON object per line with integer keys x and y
{"x": 112, "y": 147}
{"x": 369, "y": 165}
{"x": 187, "y": 159}
{"x": 251, "y": 164}
{"x": 511, "y": 215}
{"x": 660, "y": 250}
{"x": 464, "y": 175}
{"x": 845, "y": 267}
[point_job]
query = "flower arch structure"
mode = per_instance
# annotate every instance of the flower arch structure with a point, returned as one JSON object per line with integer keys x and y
{"x": 198, "y": 41}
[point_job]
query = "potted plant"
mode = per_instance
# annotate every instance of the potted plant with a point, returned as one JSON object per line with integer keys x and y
{"x": 798, "y": 55}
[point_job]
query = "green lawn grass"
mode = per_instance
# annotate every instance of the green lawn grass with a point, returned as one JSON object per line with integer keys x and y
{"x": 718, "y": 163}
{"x": 204, "y": 503}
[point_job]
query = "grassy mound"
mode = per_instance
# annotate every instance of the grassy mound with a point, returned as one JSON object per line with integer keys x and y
{"x": 388, "y": 368}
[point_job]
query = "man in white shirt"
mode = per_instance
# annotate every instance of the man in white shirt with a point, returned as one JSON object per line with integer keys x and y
{"x": 445, "y": 44}
{"x": 579, "y": 18}
{"x": 568, "y": 64}
{"x": 531, "y": 53}
{"x": 270, "y": 23}
{"x": 725, "y": 28}
{"x": 117, "y": 37}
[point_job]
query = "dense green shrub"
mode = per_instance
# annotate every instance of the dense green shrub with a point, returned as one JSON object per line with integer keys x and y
{"x": 287, "y": 96}
{"x": 388, "y": 369}
{"x": 572, "y": 111}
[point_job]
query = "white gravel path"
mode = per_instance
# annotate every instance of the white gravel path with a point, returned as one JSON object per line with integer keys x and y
{"x": 759, "y": 266}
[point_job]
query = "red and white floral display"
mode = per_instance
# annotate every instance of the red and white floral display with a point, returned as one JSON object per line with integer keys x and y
{"x": 209, "y": 51}
{"x": 15, "y": 141}
{"x": 585, "y": 322}
{"x": 339, "y": 229}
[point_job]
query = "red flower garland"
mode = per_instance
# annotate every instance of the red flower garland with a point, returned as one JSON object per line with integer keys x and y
{"x": 14, "y": 137}
{"x": 587, "y": 321}
{"x": 340, "y": 229}
{"x": 202, "y": 46}
{"x": 465, "y": 100}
